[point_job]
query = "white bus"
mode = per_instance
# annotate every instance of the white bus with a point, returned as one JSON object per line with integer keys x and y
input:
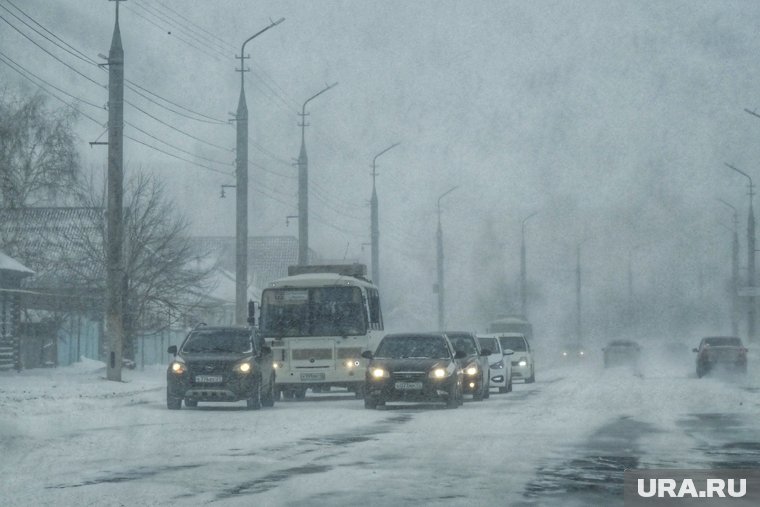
{"x": 318, "y": 321}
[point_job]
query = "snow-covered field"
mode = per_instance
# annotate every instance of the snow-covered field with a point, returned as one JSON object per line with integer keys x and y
{"x": 69, "y": 437}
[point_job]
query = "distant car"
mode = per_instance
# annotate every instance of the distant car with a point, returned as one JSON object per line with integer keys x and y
{"x": 721, "y": 351}
{"x": 220, "y": 364}
{"x": 523, "y": 367}
{"x": 570, "y": 352}
{"x": 413, "y": 367}
{"x": 500, "y": 362}
{"x": 622, "y": 353}
{"x": 474, "y": 365}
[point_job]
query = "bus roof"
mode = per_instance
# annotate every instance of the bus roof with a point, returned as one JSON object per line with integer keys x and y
{"x": 319, "y": 280}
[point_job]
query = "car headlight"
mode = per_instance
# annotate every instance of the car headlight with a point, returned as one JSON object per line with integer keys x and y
{"x": 244, "y": 367}
{"x": 498, "y": 365}
{"x": 437, "y": 373}
{"x": 564, "y": 354}
{"x": 471, "y": 369}
{"x": 178, "y": 368}
{"x": 378, "y": 373}
{"x": 581, "y": 353}
{"x": 523, "y": 362}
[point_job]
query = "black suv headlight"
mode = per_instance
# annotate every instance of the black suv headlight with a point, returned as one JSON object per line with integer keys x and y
{"x": 244, "y": 367}
{"x": 178, "y": 367}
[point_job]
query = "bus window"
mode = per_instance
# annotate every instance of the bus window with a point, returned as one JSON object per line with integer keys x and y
{"x": 375, "y": 316}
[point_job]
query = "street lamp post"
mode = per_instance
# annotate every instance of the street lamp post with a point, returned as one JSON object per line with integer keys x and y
{"x": 439, "y": 245}
{"x": 523, "y": 271}
{"x": 578, "y": 295}
{"x": 734, "y": 268}
{"x": 303, "y": 186}
{"x": 750, "y": 257}
{"x": 241, "y": 186}
{"x": 375, "y": 220}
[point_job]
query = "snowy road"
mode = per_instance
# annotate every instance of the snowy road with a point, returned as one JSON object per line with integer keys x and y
{"x": 67, "y": 437}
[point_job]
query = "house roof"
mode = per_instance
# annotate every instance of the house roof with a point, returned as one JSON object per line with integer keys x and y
{"x": 268, "y": 256}
{"x": 10, "y": 264}
{"x": 43, "y": 237}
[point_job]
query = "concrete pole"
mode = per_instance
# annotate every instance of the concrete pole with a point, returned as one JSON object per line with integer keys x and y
{"x": 523, "y": 270}
{"x": 303, "y": 186}
{"x": 734, "y": 269}
{"x": 752, "y": 300}
{"x": 115, "y": 199}
{"x": 241, "y": 187}
{"x": 439, "y": 264}
{"x": 375, "y": 220}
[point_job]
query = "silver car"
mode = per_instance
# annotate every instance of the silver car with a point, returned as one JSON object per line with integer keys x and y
{"x": 499, "y": 361}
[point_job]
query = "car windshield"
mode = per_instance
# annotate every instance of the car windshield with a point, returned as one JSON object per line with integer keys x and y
{"x": 491, "y": 344}
{"x": 464, "y": 343}
{"x": 218, "y": 340}
{"x": 322, "y": 311}
{"x": 397, "y": 347}
{"x": 723, "y": 342}
{"x": 516, "y": 343}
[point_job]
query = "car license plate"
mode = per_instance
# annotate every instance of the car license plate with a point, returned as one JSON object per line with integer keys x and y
{"x": 408, "y": 386}
{"x": 208, "y": 379}
{"x": 310, "y": 377}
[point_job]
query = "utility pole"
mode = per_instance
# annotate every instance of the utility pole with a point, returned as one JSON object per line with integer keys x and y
{"x": 750, "y": 258}
{"x": 734, "y": 269}
{"x": 375, "y": 221}
{"x": 241, "y": 187}
{"x": 303, "y": 186}
{"x": 115, "y": 198}
{"x": 439, "y": 264}
{"x": 523, "y": 270}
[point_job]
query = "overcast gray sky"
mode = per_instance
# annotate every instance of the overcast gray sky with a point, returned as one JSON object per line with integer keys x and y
{"x": 611, "y": 119}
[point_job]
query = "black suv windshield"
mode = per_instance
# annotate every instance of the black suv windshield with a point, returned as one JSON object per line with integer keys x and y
{"x": 218, "y": 340}
{"x": 516, "y": 343}
{"x": 398, "y": 347}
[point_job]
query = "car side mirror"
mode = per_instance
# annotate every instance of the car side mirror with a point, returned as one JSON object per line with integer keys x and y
{"x": 460, "y": 354}
{"x": 172, "y": 349}
{"x": 695, "y": 350}
{"x": 485, "y": 352}
{"x": 367, "y": 354}
{"x": 508, "y": 352}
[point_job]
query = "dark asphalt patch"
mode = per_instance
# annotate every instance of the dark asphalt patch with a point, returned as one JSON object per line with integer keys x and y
{"x": 271, "y": 480}
{"x": 126, "y": 476}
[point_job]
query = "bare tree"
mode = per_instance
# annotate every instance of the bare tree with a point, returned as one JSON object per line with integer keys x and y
{"x": 162, "y": 271}
{"x": 38, "y": 159}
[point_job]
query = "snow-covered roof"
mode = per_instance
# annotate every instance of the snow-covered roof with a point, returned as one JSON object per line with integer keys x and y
{"x": 11, "y": 264}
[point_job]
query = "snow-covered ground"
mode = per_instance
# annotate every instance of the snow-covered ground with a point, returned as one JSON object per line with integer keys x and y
{"x": 69, "y": 437}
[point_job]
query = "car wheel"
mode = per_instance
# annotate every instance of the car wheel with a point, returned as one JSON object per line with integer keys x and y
{"x": 503, "y": 390}
{"x": 300, "y": 393}
{"x": 254, "y": 401}
{"x": 191, "y": 403}
{"x": 268, "y": 397}
{"x": 173, "y": 403}
{"x": 370, "y": 402}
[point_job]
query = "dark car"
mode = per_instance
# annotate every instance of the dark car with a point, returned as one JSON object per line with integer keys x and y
{"x": 220, "y": 364}
{"x": 413, "y": 367}
{"x": 475, "y": 367}
{"x": 622, "y": 353}
{"x": 725, "y": 351}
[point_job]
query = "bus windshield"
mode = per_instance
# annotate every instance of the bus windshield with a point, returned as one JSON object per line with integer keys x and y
{"x": 318, "y": 311}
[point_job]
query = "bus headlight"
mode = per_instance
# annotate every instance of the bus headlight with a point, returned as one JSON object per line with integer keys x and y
{"x": 352, "y": 363}
{"x": 378, "y": 373}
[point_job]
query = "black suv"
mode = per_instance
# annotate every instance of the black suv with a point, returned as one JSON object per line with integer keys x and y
{"x": 475, "y": 367}
{"x": 220, "y": 364}
{"x": 726, "y": 351}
